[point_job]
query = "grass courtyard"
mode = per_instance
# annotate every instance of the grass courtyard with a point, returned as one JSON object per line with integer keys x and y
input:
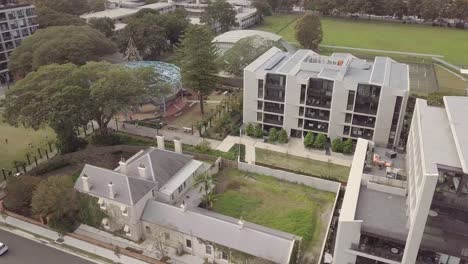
{"x": 450, "y": 83}
{"x": 21, "y": 141}
{"x": 302, "y": 165}
{"x": 448, "y": 42}
{"x": 264, "y": 200}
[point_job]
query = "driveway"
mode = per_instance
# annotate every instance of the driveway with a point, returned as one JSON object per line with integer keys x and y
{"x": 25, "y": 251}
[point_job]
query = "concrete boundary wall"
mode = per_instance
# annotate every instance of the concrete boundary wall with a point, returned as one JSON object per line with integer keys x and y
{"x": 386, "y": 189}
{"x": 313, "y": 182}
{"x": 368, "y": 178}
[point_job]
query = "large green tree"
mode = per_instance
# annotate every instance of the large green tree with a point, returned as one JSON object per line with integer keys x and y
{"x": 244, "y": 52}
{"x": 105, "y": 25}
{"x": 309, "y": 31}
{"x": 263, "y": 7}
{"x": 47, "y": 17}
{"x": 19, "y": 194}
{"x": 76, "y": 44}
{"x": 219, "y": 12}
{"x": 197, "y": 55}
{"x": 50, "y": 96}
{"x": 74, "y": 7}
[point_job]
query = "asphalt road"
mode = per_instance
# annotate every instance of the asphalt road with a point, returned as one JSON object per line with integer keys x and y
{"x": 25, "y": 251}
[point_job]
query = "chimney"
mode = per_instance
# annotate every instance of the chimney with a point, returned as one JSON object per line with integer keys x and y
{"x": 177, "y": 146}
{"x": 85, "y": 179}
{"x": 160, "y": 140}
{"x": 111, "y": 190}
{"x": 123, "y": 166}
{"x": 142, "y": 170}
{"x": 241, "y": 223}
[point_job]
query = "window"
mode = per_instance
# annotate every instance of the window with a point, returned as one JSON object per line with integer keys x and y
{"x": 348, "y": 118}
{"x": 259, "y": 105}
{"x": 181, "y": 188}
{"x": 127, "y": 230}
{"x": 350, "y": 105}
{"x": 260, "y": 88}
{"x": 259, "y": 117}
{"x": 301, "y": 111}
{"x": 303, "y": 93}
{"x": 124, "y": 210}
{"x": 188, "y": 243}
{"x": 224, "y": 255}
{"x": 208, "y": 249}
{"x": 105, "y": 223}
{"x": 101, "y": 203}
{"x": 300, "y": 123}
{"x": 167, "y": 236}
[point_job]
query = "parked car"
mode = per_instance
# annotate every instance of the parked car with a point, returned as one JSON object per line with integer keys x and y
{"x": 3, "y": 248}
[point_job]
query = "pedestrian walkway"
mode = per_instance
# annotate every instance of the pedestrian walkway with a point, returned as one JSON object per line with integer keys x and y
{"x": 294, "y": 147}
{"x": 73, "y": 245}
{"x": 186, "y": 138}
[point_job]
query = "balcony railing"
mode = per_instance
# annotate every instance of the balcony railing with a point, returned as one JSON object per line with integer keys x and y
{"x": 367, "y": 122}
{"x": 273, "y": 121}
{"x": 274, "y": 98}
{"x": 317, "y": 115}
{"x": 365, "y": 135}
{"x": 316, "y": 127}
{"x": 274, "y": 110}
{"x": 319, "y": 101}
{"x": 382, "y": 251}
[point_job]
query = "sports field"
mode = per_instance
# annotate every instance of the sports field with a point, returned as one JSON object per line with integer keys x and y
{"x": 450, "y": 43}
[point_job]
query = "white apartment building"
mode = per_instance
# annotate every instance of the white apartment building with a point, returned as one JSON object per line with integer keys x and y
{"x": 17, "y": 21}
{"x": 423, "y": 220}
{"x": 338, "y": 95}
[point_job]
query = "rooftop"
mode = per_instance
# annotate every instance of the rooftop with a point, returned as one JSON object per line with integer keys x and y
{"x": 118, "y": 13}
{"x": 339, "y": 66}
{"x": 236, "y": 35}
{"x": 457, "y": 109}
{"x": 253, "y": 239}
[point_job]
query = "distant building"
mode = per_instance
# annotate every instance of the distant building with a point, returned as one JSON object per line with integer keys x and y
{"x": 119, "y": 13}
{"x": 228, "y": 39}
{"x": 340, "y": 95}
{"x": 17, "y": 21}
{"x": 420, "y": 219}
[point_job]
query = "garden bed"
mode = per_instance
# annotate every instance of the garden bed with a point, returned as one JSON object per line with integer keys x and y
{"x": 267, "y": 201}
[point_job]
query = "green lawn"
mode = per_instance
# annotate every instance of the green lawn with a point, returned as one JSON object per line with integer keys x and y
{"x": 20, "y": 142}
{"x": 266, "y": 201}
{"x": 302, "y": 165}
{"x": 450, "y": 83}
{"x": 450, "y": 43}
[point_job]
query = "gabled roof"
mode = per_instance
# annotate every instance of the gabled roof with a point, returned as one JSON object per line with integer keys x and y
{"x": 253, "y": 239}
{"x": 162, "y": 164}
{"x": 128, "y": 190}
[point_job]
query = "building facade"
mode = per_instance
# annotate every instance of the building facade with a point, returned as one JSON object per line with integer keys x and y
{"x": 423, "y": 219}
{"x": 17, "y": 21}
{"x": 338, "y": 95}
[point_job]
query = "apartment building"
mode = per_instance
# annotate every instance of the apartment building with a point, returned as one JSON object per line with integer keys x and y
{"x": 17, "y": 21}
{"x": 338, "y": 95}
{"x": 423, "y": 219}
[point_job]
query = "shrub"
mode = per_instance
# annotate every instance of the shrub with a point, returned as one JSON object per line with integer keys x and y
{"x": 320, "y": 141}
{"x": 203, "y": 147}
{"x": 250, "y": 130}
{"x": 309, "y": 140}
{"x": 337, "y": 145}
{"x": 348, "y": 146}
{"x": 89, "y": 211}
{"x": 283, "y": 136}
{"x": 105, "y": 140}
{"x": 273, "y": 135}
{"x": 19, "y": 194}
{"x": 50, "y": 166}
{"x": 258, "y": 131}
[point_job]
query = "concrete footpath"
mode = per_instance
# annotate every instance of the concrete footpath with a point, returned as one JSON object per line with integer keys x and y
{"x": 70, "y": 244}
{"x": 294, "y": 147}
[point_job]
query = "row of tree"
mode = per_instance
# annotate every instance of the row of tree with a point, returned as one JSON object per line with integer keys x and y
{"x": 427, "y": 9}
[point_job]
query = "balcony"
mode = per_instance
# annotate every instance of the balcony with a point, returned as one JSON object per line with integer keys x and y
{"x": 316, "y": 126}
{"x": 273, "y": 110}
{"x": 319, "y": 101}
{"x": 317, "y": 114}
{"x": 381, "y": 249}
{"x": 273, "y": 119}
{"x": 362, "y": 133}
{"x": 364, "y": 121}
{"x": 273, "y": 97}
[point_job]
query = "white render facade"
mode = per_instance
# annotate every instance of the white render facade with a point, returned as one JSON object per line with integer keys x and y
{"x": 423, "y": 219}
{"x": 17, "y": 21}
{"x": 340, "y": 95}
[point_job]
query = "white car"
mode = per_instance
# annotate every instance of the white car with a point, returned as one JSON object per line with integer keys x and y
{"x": 3, "y": 248}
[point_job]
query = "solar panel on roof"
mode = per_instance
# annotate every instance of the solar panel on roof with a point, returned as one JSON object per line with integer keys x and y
{"x": 275, "y": 62}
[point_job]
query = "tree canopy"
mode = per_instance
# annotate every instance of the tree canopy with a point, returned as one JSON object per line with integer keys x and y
{"x": 151, "y": 31}
{"x": 197, "y": 55}
{"x": 19, "y": 193}
{"x": 105, "y": 25}
{"x": 75, "y": 44}
{"x": 219, "y": 12}
{"x": 244, "y": 52}
{"x": 263, "y": 7}
{"x": 47, "y": 17}
{"x": 67, "y": 96}
{"x": 74, "y": 7}
{"x": 309, "y": 31}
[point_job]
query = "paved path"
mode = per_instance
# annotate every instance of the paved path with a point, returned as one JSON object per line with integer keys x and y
{"x": 186, "y": 138}
{"x": 295, "y": 147}
{"x": 25, "y": 251}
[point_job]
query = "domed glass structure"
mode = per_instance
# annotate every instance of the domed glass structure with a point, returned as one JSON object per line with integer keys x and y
{"x": 168, "y": 73}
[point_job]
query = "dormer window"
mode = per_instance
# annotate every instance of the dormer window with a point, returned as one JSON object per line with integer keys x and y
{"x": 124, "y": 210}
